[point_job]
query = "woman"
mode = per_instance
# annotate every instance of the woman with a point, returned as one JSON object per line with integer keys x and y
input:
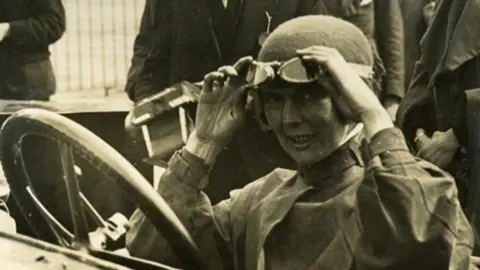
{"x": 359, "y": 199}
{"x": 27, "y": 29}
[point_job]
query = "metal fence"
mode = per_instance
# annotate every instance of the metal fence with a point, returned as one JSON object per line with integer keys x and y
{"x": 96, "y": 49}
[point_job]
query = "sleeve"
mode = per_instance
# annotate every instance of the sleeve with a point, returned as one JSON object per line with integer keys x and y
{"x": 153, "y": 75}
{"x": 417, "y": 101}
{"x": 141, "y": 47}
{"x": 209, "y": 226}
{"x": 45, "y": 26}
{"x": 390, "y": 42}
{"x": 409, "y": 213}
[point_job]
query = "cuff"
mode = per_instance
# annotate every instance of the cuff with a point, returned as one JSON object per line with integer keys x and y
{"x": 190, "y": 169}
{"x": 3, "y": 207}
{"x": 394, "y": 90}
{"x": 4, "y": 32}
{"x": 390, "y": 145}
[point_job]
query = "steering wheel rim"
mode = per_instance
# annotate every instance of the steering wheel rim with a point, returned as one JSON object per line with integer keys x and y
{"x": 48, "y": 124}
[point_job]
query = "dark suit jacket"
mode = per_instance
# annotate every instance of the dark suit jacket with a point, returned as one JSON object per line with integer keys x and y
{"x": 414, "y": 25}
{"x": 24, "y": 53}
{"x": 141, "y": 46}
{"x": 185, "y": 47}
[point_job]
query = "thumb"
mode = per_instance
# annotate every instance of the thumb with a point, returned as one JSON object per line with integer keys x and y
{"x": 421, "y": 139}
{"x": 240, "y": 98}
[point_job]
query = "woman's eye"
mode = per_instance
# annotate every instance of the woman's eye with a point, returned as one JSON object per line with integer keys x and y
{"x": 272, "y": 98}
{"x": 303, "y": 96}
{"x": 307, "y": 96}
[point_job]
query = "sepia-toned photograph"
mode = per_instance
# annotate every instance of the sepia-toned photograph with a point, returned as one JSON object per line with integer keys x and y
{"x": 239, "y": 134}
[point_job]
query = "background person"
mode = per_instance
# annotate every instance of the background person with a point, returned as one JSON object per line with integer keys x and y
{"x": 27, "y": 29}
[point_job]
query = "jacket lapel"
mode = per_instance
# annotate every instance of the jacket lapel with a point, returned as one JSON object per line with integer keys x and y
{"x": 269, "y": 212}
{"x": 153, "y": 9}
{"x": 194, "y": 20}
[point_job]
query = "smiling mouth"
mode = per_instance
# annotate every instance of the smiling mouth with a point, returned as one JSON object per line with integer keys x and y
{"x": 301, "y": 141}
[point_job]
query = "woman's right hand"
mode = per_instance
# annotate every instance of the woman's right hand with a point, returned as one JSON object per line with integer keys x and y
{"x": 221, "y": 106}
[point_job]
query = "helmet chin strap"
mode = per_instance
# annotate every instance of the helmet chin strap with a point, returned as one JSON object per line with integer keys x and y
{"x": 353, "y": 132}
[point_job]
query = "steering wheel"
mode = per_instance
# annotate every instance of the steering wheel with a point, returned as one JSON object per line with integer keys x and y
{"x": 71, "y": 137}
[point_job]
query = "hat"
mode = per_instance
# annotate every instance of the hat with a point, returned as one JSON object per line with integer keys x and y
{"x": 306, "y": 31}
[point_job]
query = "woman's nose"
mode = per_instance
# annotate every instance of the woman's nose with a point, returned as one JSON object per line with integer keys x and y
{"x": 291, "y": 114}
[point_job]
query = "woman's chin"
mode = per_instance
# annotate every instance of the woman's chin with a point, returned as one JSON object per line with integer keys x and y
{"x": 307, "y": 160}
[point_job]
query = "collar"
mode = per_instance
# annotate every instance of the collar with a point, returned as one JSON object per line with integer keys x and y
{"x": 344, "y": 157}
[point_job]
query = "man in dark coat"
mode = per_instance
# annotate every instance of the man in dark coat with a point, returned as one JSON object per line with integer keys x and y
{"x": 442, "y": 102}
{"x": 141, "y": 46}
{"x": 27, "y": 28}
{"x": 450, "y": 50}
{"x": 190, "y": 40}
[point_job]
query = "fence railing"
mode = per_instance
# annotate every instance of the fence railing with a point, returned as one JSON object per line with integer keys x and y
{"x": 96, "y": 49}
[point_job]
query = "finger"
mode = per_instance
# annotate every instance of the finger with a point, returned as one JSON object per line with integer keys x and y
{"x": 419, "y": 131}
{"x": 228, "y": 71}
{"x": 241, "y": 66}
{"x": 310, "y": 49}
{"x": 421, "y": 139}
{"x": 210, "y": 79}
{"x": 316, "y": 49}
{"x": 316, "y": 59}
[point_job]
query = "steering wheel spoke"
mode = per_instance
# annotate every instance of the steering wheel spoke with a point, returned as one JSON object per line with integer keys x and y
{"x": 64, "y": 237}
{"x": 61, "y": 234}
{"x": 81, "y": 240}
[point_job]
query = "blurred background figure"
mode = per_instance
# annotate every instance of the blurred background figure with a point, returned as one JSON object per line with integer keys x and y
{"x": 439, "y": 114}
{"x": 389, "y": 38}
{"x": 27, "y": 29}
{"x": 417, "y": 15}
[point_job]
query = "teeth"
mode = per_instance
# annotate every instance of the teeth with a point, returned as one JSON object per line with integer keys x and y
{"x": 301, "y": 139}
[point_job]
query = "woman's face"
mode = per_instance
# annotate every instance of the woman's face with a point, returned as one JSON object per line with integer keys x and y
{"x": 305, "y": 120}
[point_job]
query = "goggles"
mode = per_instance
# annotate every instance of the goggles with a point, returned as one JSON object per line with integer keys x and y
{"x": 294, "y": 70}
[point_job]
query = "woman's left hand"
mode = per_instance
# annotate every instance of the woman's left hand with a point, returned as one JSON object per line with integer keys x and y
{"x": 354, "y": 98}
